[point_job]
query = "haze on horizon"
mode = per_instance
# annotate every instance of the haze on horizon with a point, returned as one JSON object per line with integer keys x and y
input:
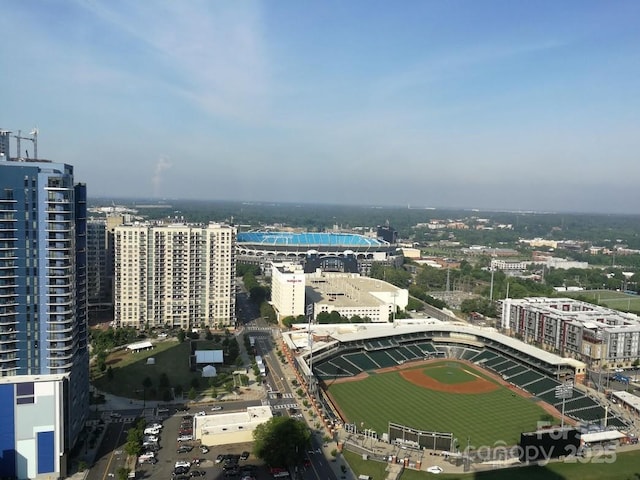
{"x": 458, "y": 104}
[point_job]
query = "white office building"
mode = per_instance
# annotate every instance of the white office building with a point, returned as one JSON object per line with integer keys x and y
{"x": 176, "y": 275}
{"x": 351, "y": 295}
{"x": 287, "y": 289}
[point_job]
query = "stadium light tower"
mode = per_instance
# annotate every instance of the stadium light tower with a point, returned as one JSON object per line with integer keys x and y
{"x": 563, "y": 392}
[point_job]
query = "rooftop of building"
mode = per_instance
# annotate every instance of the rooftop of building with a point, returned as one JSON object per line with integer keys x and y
{"x": 589, "y": 315}
{"x": 227, "y": 422}
{"x": 346, "y": 290}
{"x": 310, "y": 239}
{"x": 33, "y": 378}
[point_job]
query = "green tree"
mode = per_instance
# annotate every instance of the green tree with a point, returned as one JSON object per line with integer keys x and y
{"x": 181, "y": 335}
{"x": 281, "y": 441}
{"x": 163, "y": 381}
{"x": 192, "y": 394}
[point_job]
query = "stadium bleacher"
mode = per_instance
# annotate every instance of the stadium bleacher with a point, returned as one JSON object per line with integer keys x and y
{"x": 382, "y": 359}
{"x": 362, "y": 361}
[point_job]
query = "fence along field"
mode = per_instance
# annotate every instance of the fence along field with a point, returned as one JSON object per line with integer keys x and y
{"x": 499, "y": 415}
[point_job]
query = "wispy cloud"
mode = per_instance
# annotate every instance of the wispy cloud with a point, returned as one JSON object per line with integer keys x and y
{"x": 210, "y": 53}
{"x": 445, "y": 65}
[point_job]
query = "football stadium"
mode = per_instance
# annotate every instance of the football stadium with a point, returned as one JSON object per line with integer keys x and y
{"x": 428, "y": 384}
{"x": 327, "y": 250}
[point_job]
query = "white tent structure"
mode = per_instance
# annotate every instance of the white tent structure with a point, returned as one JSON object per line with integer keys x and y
{"x": 209, "y": 371}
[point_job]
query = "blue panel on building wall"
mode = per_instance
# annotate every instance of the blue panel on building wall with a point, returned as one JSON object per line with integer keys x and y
{"x": 7, "y": 432}
{"x": 23, "y": 389}
{"x": 46, "y": 462}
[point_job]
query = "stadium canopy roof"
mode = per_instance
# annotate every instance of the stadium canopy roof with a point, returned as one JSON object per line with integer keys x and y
{"x": 356, "y": 332}
{"x": 309, "y": 239}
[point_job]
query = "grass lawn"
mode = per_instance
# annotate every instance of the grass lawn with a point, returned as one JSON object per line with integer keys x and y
{"x": 485, "y": 418}
{"x": 130, "y": 369}
{"x": 610, "y": 298}
{"x": 449, "y": 374}
{"x": 625, "y": 467}
{"x": 375, "y": 470}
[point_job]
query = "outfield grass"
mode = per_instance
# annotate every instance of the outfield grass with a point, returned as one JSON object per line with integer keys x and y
{"x": 484, "y": 418}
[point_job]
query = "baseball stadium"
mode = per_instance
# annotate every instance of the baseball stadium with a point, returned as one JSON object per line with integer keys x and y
{"x": 338, "y": 251}
{"x": 436, "y": 385}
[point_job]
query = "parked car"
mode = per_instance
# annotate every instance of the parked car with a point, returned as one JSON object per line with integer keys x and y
{"x": 201, "y": 414}
{"x": 185, "y": 438}
{"x": 185, "y": 448}
{"x": 198, "y": 473}
{"x": 219, "y": 458}
{"x": 244, "y": 456}
{"x": 204, "y": 449}
{"x": 216, "y": 408}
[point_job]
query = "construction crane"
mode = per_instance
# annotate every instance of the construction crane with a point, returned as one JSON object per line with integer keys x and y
{"x": 33, "y": 138}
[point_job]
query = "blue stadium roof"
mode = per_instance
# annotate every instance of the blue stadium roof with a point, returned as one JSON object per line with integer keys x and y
{"x": 309, "y": 239}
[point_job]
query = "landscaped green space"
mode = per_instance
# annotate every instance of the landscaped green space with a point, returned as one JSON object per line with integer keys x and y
{"x": 485, "y": 418}
{"x": 130, "y": 369}
{"x": 610, "y": 298}
{"x": 171, "y": 360}
{"x": 449, "y": 374}
{"x": 625, "y": 467}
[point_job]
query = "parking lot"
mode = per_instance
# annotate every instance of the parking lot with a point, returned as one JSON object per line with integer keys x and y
{"x": 200, "y": 464}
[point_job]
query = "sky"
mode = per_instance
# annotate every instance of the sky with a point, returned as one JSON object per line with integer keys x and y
{"x": 490, "y": 104}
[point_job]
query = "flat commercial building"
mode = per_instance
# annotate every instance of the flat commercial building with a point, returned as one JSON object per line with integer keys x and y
{"x": 590, "y": 333}
{"x": 287, "y": 289}
{"x": 228, "y": 428}
{"x": 179, "y": 275}
{"x": 352, "y": 295}
{"x": 32, "y": 431}
{"x": 43, "y": 307}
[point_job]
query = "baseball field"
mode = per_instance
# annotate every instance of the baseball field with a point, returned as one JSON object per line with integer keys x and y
{"x": 443, "y": 396}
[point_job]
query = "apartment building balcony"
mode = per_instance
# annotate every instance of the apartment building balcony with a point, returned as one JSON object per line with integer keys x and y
{"x": 60, "y": 347}
{"x": 60, "y": 335}
{"x": 8, "y": 358}
{"x": 57, "y": 317}
{"x": 8, "y": 338}
{"x": 63, "y": 366}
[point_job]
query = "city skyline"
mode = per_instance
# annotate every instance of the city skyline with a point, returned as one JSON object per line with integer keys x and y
{"x": 489, "y": 105}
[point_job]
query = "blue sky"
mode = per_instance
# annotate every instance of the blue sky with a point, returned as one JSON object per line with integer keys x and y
{"x": 481, "y": 104}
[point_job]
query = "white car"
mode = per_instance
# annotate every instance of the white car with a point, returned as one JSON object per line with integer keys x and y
{"x": 435, "y": 469}
{"x": 150, "y": 438}
{"x": 185, "y": 438}
{"x": 146, "y": 456}
{"x": 216, "y": 408}
{"x": 157, "y": 426}
{"x": 200, "y": 414}
{"x": 182, "y": 463}
{"x": 151, "y": 431}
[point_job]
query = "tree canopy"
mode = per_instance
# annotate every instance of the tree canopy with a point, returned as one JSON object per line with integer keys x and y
{"x": 281, "y": 442}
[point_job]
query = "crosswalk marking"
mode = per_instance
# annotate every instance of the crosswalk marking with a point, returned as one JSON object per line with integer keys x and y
{"x": 285, "y": 406}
